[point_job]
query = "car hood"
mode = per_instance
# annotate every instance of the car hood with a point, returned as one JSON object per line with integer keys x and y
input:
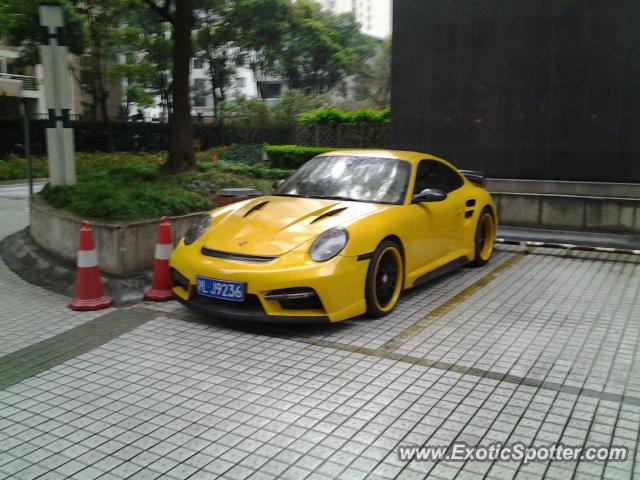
{"x": 273, "y": 225}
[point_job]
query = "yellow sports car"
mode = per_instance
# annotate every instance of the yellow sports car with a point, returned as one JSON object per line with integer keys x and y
{"x": 343, "y": 236}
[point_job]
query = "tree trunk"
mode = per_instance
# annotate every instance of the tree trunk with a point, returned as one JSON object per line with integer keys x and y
{"x": 181, "y": 155}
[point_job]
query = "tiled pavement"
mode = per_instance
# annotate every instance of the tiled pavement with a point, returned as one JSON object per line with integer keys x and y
{"x": 28, "y": 314}
{"x": 536, "y": 348}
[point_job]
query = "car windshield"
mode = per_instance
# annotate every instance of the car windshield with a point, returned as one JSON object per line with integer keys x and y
{"x": 362, "y": 179}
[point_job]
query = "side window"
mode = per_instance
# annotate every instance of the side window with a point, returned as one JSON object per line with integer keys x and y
{"x": 433, "y": 174}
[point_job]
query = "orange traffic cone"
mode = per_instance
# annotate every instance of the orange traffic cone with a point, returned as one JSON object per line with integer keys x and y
{"x": 89, "y": 294}
{"x": 160, "y": 290}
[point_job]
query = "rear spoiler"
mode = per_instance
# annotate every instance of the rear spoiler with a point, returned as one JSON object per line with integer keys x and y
{"x": 475, "y": 177}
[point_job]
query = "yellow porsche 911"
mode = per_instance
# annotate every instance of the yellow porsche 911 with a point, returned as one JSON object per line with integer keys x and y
{"x": 343, "y": 236}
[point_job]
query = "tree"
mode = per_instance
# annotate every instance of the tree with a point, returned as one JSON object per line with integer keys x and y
{"x": 179, "y": 13}
{"x": 215, "y": 45}
{"x": 321, "y": 49}
{"x": 373, "y": 85}
{"x": 145, "y": 64}
{"x": 100, "y": 19}
{"x": 260, "y": 26}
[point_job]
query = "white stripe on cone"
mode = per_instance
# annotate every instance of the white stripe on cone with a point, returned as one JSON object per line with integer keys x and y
{"x": 87, "y": 258}
{"x": 163, "y": 251}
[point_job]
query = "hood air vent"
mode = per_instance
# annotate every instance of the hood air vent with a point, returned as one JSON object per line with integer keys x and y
{"x": 330, "y": 213}
{"x": 255, "y": 208}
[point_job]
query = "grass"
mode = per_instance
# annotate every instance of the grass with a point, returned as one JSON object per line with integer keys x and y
{"x": 132, "y": 186}
{"x": 15, "y": 168}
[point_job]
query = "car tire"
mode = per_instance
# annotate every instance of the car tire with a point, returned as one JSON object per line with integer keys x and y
{"x": 385, "y": 277}
{"x": 484, "y": 239}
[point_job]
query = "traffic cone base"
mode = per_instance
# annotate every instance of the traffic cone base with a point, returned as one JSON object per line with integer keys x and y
{"x": 90, "y": 305}
{"x": 158, "y": 295}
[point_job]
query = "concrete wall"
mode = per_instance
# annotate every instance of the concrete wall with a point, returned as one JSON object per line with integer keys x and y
{"x": 589, "y": 206}
{"x": 123, "y": 248}
{"x": 591, "y": 189}
{"x": 568, "y": 212}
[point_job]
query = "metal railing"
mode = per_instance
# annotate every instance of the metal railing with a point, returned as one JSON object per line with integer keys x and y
{"x": 28, "y": 83}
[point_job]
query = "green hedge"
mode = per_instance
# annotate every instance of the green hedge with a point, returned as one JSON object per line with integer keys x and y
{"x": 333, "y": 116}
{"x": 91, "y": 136}
{"x": 292, "y": 156}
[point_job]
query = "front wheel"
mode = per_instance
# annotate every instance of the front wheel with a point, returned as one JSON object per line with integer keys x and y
{"x": 384, "y": 279}
{"x": 485, "y": 238}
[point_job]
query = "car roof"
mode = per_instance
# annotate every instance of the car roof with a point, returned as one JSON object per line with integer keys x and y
{"x": 412, "y": 157}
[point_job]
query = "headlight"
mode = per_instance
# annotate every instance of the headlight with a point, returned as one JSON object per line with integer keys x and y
{"x": 197, "y": 230}
{"x": 328, "y": 244}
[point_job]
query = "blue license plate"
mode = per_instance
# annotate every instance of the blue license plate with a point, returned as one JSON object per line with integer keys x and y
{"x": 221, "y": 289}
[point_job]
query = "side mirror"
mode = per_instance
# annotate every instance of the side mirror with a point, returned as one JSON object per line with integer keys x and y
{"x": 277, "y": 184}
{"x": 429, "y": 195}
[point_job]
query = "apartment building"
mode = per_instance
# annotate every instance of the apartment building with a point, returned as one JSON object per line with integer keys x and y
{"x": 23, "y": 84}
{"x": 374, "y": 16}
{"x": 18, "y": 84}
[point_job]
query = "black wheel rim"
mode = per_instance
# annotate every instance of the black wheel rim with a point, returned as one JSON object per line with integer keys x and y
{"x": 386, "y": 279}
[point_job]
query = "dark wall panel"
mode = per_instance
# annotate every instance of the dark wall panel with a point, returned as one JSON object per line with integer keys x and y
{"x": 544, "y": 89}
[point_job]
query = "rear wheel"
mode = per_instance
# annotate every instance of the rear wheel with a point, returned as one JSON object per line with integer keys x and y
{"x": 485, "y": 238}
{"x": 384, "y": 279}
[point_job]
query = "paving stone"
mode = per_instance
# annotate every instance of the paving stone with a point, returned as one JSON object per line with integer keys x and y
{"x": 545, "y": 350}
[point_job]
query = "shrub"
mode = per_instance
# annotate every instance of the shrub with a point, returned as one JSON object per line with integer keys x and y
{"x": 129, "y": 192}
{"x": 292, "y": 156}
{"x": 248, "y": 154}
{"x": 253, "y": 171}
{"x": 333, "y": 116}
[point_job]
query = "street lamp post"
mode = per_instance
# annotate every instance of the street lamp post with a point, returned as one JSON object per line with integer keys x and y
{"x": 27, "y": 143}
{"x": 57, "y": 86}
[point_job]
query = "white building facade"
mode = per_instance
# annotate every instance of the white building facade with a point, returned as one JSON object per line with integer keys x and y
{"x": 19, "y": 85}
{"x": 374, "y": 16}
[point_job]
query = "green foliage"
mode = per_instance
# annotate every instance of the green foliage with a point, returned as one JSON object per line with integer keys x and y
{"x": 15, "y": 168}
{"x": 20, "y": 26}
{"x": 260, "y": 27}
{"x": 333, "y": 116}
{"x": 253, "y": 171}
{"x": 373, "y": 82}
{"x": 214, "y": 39}
{"x": 248, "y": 154}
{"x": 118, "y": 189}
{"x": 321, "y": 49}
{"x": 292, "y": 156}
{"x": 132, "y": 186}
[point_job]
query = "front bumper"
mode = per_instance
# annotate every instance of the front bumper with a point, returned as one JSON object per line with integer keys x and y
{"x": 339, "y": 284}
{"x": 204, "y": 306}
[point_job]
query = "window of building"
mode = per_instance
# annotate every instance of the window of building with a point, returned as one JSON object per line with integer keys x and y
{"x": 272, "y": 90}
{"x": 198, "y": 84}
{"x": 198, "y": 64}
{"x": 199, "y": 101}
{"x": 241, "y": 82}
{"x": 433, "y": 174}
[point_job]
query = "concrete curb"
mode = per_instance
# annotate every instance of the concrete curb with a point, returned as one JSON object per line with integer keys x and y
{"x": 35, "y": 265}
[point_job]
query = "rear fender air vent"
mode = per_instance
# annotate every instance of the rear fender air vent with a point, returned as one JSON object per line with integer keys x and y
{"x": 255, "y": 208}
{"x": 240, "y": 257}
{"x": 330, "y": 213}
